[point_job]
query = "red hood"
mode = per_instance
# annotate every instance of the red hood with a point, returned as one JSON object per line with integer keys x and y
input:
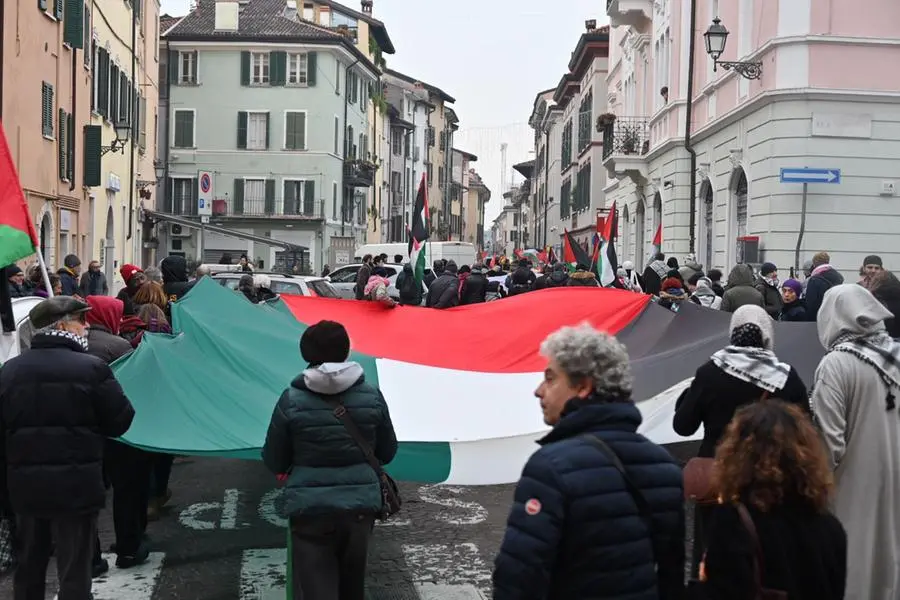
{"x": 106, "y": 312}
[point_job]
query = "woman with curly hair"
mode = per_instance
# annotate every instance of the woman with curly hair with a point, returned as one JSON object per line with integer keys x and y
{"x": 772, "y": 466}
{"x": 153, "y": 293}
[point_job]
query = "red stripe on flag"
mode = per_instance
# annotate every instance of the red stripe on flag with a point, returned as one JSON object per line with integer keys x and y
{"x": 657, "y": 239}
{"x": 13, "y": 208}
{"x": 457, "y": 338}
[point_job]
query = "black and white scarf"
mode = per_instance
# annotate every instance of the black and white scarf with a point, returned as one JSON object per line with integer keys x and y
{"x": 879, "y": 351}
{"x": 754, "y": 365}
{"x": 62, "y": 333}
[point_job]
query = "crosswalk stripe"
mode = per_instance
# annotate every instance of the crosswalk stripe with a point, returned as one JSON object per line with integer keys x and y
{"x": 455, "y": 564}
{"x": 136, "y": 583}
{"x": 263, "y": 574}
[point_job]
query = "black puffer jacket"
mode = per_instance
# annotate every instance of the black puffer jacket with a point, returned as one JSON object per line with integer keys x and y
{"x": 583, "y": 279}
{"x": 520, "y": 281}
{"x": 106, "y": 346}
{"x": 57, "y": 403}
{"x": 444, "y": 292}
{"x": 574, "y": 531}
{"x": 771, "y": 296}
{"x": 175, "y": 277}
{"x": 816, "y": 286}
{"x": 474, "y": 288}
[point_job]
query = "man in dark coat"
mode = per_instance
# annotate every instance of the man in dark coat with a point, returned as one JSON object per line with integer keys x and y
{"x": 362, "y": 277}
{"x": 444, "y": 292}
{"x": 175, "y": 277}
{"x": 16, "y": 279}
{"x": 57, "y": 404}
{"x": 93, "y": 281}
{"x": 823, "y": 278}
{"x": 655, "y": 273}
{"x": 69, "y": 274}
{"x": 436, "y": 269}
{"x": 332, "y": 494}
{"x": 575, "y": 529}
{"x": 522, "y": 279}
{"x": 474, "y": 288}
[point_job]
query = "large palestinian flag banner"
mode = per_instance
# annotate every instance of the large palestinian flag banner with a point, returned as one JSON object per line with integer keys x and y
{"x": 462, "y": 404}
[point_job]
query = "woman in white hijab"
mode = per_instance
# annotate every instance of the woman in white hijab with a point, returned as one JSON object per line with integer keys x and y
{"x": 855, "y": 402}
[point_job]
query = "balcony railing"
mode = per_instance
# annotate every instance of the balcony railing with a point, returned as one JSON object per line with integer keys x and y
{"x": 626, "y": 136}
{"x": 359, "y": 173}
{"x": 274, "y": 208}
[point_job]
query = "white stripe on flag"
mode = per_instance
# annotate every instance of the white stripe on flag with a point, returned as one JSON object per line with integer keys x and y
{"x": 491, "y": 462}
{"x": 264, "y": 577}
{"x": 136, "y": 583}
{"x": 433, "y": 404}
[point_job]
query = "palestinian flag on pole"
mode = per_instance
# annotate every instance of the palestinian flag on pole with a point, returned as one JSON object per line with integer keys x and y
{"x": 573, "y": 253}
{"x": 418, "y": 233}
{"x": 657, "y": 239}
{"x": 18, "y": 238}
{"x": 607, "y": 260}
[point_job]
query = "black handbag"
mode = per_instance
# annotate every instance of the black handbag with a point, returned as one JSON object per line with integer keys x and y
{"x": 390, "y": 493}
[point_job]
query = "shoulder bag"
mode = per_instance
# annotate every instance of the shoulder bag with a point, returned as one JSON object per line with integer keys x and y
{"x": 390, "y": 493}
{"x": 759, "y": 560}
{"x": 669, "y": 588}
{"x": 698, "y": 476}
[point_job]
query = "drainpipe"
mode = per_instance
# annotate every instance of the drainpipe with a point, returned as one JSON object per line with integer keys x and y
{"x": 133, "y": 141}
{"x": 688, "y": 123}
{"x": 168, "y": 127}
{"x": 74, "y": 112}
{"x": 346, "y": 145}
{"x": 546, "y": 182}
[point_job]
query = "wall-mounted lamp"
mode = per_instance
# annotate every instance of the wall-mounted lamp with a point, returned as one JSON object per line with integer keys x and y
{"x": 715, "y": 38}
{"x": 123, "y": 132}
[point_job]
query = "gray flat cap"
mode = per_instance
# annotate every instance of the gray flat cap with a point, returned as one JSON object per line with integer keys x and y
{"x": 53, "y": 309}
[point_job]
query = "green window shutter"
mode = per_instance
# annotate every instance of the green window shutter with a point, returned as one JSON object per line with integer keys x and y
{"x": 73, "y": 27}
{"x": 309, "y": 198}
{"x": 290, "y": 199}
{"x": 70, "y": 150}
{"x": 59, "y": 8}
{"x": 93, "y": 142}
{"x": 268, "y": 128}
{"x": 238, "y": 208}
{"x": 245, "y": 68}
{"x": 242, "y": 130}
{"x": 61, "y": 142}
{"x": 290, "y": 141}
{"x": 278, "y": 66}
{"x": 300, "y": 130}
{"x": 189, "y": 129}
{"x": 42, "y": 4}
{"x": 173, "y": 59}
{"x": 270, "y": 197}
{"x": 311, "y": 69}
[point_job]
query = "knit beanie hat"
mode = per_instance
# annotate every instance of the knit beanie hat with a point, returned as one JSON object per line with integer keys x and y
{"x": 793, "y": 284}
{"x": 768, "y": 268}
{"x": 325, "y": 342}
{"x": 128, "y": 271}
{"x": 671, "y": 283}
{"x": 873, "y": 259}
{"x": 12, "y": 270}
{"x": 71, "y": 261}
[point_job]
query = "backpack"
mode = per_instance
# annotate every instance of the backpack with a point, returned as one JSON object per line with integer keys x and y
{"x": 408, "y": 287}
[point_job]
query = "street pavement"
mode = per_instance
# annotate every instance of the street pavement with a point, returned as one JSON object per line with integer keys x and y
{"x": 221, "y": 539}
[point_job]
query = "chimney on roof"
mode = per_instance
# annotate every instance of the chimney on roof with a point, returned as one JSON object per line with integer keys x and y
{"x": 366, "y": 6}
{"x": 227, "y": 12}
{"x": 290, "y": 10}
{"x": 590, "y": 25}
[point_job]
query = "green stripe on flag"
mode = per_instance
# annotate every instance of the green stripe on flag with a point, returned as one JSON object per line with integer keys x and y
{"x": 422, "y": 462}
{"x": 15, "y": 245}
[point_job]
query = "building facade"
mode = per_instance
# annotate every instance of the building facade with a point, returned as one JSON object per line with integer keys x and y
{"x": 44, "y": 106}
{"x": 276, "y": 110}
{"x": 545, "y": 220}
{"x": 459, "y": 196}
{"x": 403, "y": 152}
{"x": 820, "y": 102}
{"x": 477, "y": 195}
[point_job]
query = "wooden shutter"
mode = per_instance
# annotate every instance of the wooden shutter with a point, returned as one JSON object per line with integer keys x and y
{"x": 59, "y": 9}
{"x": 142, "y": 115}
{"x": 290, "y": 141}
{"x": 268, "y": 128}
{"x": 103, "y": 82}
{"x": 290, "y": 198}
{"x": 242, "y": 130}
{"x": 270, "y": 197}
{"x": 174, "y": 59}
{"x": 311, "y": 69}
{"x": 277, "y": 68}
{"x": 309, "y": 198}
{"x": 238, "y": 208}
{"x": 245, "y": 68}
{"x": 61, "y": 142}
{"x": 73, "y": 26}
{"x": 70, "y": 149}
{"x": 300, "y": 130}
{"x": 93, "y": 142}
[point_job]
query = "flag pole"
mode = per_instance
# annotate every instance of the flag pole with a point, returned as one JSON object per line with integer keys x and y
{"x": 44, "y": 273}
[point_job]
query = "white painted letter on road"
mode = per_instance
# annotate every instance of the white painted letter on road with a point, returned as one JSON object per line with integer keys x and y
{"x": 206, "y": 516}
{"x": 269, "y": 512}
{"x": 462, "y": 512}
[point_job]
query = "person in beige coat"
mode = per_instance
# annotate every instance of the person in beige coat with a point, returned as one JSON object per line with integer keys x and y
{"x": 855, "y": 396}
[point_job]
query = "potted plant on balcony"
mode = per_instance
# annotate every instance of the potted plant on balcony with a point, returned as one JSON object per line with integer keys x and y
{"x": 605, "y": 120}
{"x": 630, "y": 141}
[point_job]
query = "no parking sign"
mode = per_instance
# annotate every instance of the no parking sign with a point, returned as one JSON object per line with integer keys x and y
{"x": 205, "y": 193}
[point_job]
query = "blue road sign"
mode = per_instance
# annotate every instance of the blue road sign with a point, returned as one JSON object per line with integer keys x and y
{"x": 805, "y": 175}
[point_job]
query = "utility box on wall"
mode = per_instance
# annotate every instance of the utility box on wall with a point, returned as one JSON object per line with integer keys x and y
{"x": 748, "y": 249}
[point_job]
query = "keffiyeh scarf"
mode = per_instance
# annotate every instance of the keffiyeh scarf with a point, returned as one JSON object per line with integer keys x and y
{"x": 879, "y": 351}
{"x": 60, "y": 333}
{"x": 754, "y": 365}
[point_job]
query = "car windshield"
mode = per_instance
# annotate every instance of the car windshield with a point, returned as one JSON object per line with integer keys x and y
{"x": 286, "y": 287}
{"x": 322, "y": 288}
{"x": 345, "y": 275}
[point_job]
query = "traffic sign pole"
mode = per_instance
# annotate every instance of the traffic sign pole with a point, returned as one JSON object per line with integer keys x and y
{"x": 802, "y": 229}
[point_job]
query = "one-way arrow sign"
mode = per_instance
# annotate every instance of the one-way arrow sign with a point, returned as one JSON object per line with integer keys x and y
{"x": 804, "y": 175}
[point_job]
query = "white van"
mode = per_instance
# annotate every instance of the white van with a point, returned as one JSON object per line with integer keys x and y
{"x": 459, "y": 252}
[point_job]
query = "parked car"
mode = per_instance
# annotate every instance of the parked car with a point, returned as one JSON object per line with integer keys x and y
{"x": 304, "y": 285}
{"x": 344, "y": 280}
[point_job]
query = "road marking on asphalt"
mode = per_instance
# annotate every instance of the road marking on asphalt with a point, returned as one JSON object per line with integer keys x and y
{"x": 136, "y": 583}
{"x": 269, "y": 512}
{"x": 462, "y": 512}
{"x": 229, "y": 509}
{"x": 453, "y": 564}
{"x": 201, "y": 516}
{"x": 264, "y": 574}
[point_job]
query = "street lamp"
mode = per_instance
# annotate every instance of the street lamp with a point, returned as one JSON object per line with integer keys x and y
{"x": 123, "y": 131}
{"x": 159, "y": 167}
{"x": 715, "y": 38}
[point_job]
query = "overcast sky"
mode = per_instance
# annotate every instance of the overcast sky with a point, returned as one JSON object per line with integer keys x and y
{"x": 493, "y": 56}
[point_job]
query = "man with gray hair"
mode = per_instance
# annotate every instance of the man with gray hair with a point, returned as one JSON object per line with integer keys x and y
{"x": 57, "y": 404}
{"x": 599, "y": 509}
{"x": 202, "y": 271}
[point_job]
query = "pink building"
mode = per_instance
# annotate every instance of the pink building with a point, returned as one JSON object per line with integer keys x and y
{"x": 824, "y": 100}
